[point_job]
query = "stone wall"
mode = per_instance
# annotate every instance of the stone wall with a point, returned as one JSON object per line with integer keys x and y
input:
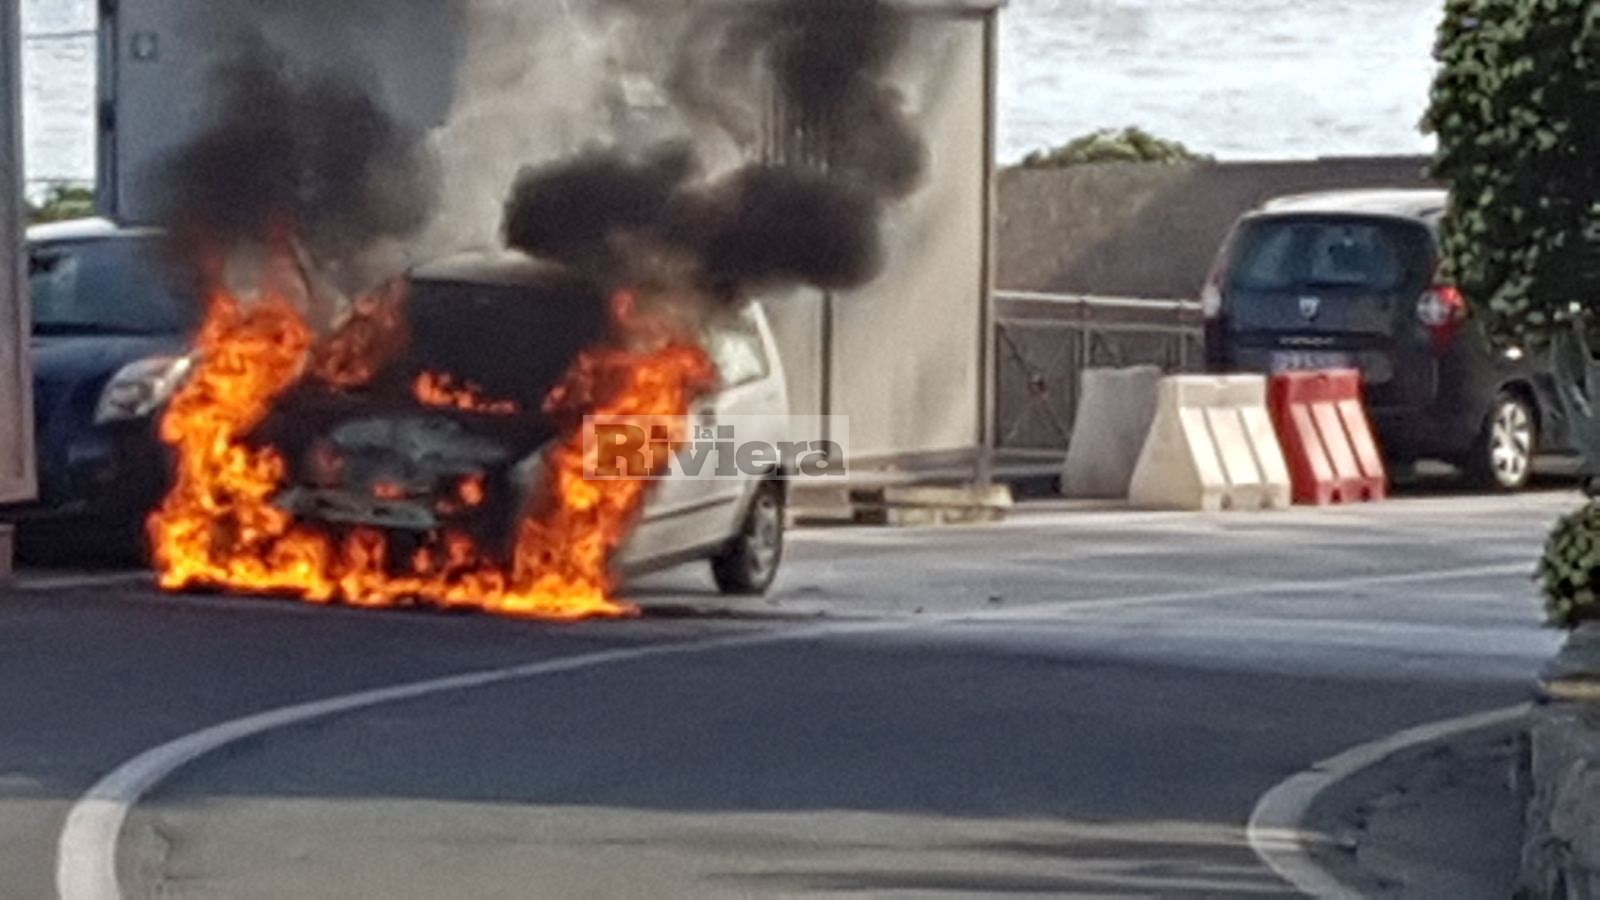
{"x": 1561, "y": 842}
{"x": 1131, "y": 230}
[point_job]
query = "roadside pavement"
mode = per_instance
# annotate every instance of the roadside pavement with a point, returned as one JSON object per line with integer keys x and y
{"x": 1441, "y": 820}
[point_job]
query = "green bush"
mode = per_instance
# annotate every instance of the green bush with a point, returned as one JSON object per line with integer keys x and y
{"x": 1128, "y": 145}
{"x": 61, "y": 203}
{"x": 1519, "y": 144}
{"x": 1570, "y": 570}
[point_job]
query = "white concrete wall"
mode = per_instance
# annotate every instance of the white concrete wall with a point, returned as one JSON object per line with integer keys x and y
{"x": 907, "y": 351}
{"x": 405, "y": 52}
{"x": 797, "y": 320}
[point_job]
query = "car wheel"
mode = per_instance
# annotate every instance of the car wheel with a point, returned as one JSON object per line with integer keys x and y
{"x": 1503, "y": 458}
{"x": 749, "y": 563}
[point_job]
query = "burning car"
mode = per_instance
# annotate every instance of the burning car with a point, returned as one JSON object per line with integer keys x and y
{"x": 452, "y": 435}
{"x": 342, "y": 436}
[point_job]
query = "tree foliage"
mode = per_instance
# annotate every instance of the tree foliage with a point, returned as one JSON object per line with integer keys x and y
{"x": 63, "y": 202}
{"x": 1111, "y": 145}
{"x": 1516, "y": 108}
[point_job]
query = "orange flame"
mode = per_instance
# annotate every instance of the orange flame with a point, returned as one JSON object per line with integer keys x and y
{"x": 220, "y": 529}
{"x": 442, "y": 391}
{"x": 372, "y": 334}
{"x": 472, "y": 491}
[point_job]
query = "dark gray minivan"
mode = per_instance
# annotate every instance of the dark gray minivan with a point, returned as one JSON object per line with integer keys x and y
{"x": 1349, "y": 279}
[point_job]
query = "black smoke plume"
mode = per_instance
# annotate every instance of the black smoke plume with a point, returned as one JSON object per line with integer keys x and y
{"x": 766, "y": 225}
{"x": 571, "y": 211}
{"x": 831, "y": 61}
{"x": 839, "y": 148}
{"x": 758, "y": 227}
{"x": 289, "y": 153}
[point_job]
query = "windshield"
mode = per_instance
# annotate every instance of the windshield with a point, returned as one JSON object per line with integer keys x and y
{"x": 106, "y": 286}
{"x": 1293, "y": 255}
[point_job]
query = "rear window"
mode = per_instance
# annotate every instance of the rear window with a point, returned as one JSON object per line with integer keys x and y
{"x": 1329, "y": 254}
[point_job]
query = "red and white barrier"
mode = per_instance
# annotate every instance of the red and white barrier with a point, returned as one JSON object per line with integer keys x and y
{"x": 1327, "y": 437}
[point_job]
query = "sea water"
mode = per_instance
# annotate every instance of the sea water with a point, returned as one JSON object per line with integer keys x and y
{"x": 1233, "y": 78}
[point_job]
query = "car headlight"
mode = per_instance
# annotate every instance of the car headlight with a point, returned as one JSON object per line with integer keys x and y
{"x": 141, "y": 388}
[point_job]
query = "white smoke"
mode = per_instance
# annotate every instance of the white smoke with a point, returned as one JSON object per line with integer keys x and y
{"x": 540, "y": 82}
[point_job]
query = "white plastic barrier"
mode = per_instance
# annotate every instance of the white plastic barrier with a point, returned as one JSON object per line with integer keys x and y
{"x": 1212, "y": 447}
{"x": 1115, "y": 410}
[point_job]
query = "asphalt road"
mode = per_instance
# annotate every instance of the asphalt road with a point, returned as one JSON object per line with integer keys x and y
{"x": 1068, "y": 703}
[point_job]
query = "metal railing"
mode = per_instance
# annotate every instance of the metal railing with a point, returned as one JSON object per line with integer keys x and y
{"x": 1045, "y": 341}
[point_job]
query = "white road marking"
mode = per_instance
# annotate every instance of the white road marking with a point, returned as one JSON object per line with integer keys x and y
{"x": 1278, "y": 831}
{"x": 86, "y": 852}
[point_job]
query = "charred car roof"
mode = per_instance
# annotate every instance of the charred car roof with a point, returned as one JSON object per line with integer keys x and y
{"x": 507, "y": 268}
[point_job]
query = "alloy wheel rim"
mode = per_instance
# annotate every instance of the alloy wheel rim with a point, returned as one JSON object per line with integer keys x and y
{"x": 1511, "y": 444}
{"x": 765, "y": 537}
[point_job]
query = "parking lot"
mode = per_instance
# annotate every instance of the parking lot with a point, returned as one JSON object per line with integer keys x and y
{"x": 1072, "y": 700}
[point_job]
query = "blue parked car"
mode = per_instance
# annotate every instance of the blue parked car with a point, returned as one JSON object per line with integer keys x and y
{"x": 111, "y": 333}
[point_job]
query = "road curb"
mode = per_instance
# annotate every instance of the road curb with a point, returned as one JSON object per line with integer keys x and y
{"x": 1279, "y": 831}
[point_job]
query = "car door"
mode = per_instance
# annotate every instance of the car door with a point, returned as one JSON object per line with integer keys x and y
{"x": 686, "y": 512}
{"x": 752, "y": 404}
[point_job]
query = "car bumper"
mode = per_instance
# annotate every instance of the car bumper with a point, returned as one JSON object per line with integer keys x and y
{"x": 110, "y": 476}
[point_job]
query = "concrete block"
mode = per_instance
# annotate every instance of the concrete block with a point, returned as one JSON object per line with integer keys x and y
{"x": 994, "y": 496}
{"x": 812, "y": 503}
{"x": 901, "y": 506}
{"x": 1211, "y": 447}
{"x": 1115, "y": 409}
{"x": 907, "y": 506}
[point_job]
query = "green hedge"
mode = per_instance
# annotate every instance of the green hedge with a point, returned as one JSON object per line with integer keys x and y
{"x": 1569, "y": 573}
{"x": 1110, "y": 145}
{"x": 63, "y": 202}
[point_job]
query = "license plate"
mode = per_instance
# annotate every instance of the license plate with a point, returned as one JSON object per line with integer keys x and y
{"x": 1308, "y": 360}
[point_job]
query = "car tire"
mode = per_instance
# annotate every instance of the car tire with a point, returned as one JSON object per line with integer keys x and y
{"x": 749, "y": 562}
{"x": 1502, "y": 458}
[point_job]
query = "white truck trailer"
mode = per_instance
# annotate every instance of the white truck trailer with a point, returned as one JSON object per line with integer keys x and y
{"x": 16, "y": 384}
{"x": 908, "y": 358}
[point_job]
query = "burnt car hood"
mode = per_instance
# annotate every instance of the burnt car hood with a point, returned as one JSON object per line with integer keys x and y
{"x": 407, "y": 468}
{"x": 381, "y": 455}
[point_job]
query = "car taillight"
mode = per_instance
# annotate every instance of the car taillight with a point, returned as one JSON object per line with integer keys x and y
{"x": 1441, "y": 310}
